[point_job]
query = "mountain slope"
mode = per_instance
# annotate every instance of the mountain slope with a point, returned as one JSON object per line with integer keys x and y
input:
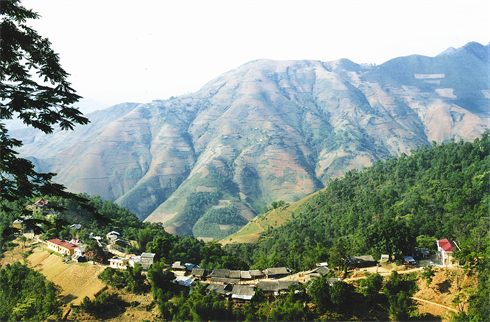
{"x": 207, "y": 162}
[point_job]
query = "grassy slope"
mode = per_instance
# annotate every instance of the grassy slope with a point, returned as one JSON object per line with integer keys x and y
{"x": 251, "y": 232}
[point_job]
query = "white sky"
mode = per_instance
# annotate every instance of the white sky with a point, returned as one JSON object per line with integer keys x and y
{"x": 137, "y": 51}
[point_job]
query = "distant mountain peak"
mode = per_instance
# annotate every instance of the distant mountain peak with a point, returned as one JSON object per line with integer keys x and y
{"x": 475, "y": 48}
{"x": 449, "y": 51}
{"x": 480, "y": 51}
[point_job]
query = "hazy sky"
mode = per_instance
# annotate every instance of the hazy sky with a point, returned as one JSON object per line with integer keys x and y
{"x": 137, "y": 51}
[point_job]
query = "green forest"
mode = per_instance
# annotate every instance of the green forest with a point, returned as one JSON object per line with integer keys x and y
{"x": 439, "y": 191}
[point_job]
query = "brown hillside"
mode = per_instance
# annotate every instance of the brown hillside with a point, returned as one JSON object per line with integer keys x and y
{"x": 75, "y": 280}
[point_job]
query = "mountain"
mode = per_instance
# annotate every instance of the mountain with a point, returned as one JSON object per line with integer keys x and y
{"x": 206, "y": 163}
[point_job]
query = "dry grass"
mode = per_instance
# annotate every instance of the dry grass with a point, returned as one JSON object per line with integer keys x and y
{"x": 77, "y": 280}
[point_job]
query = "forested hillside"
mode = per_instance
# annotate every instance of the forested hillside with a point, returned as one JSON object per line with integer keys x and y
{"x": 440, "y": 191}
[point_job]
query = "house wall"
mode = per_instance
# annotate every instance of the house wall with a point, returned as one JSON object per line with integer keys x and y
{"x": 59, "y": 249}
{"x": 118, "y": 265}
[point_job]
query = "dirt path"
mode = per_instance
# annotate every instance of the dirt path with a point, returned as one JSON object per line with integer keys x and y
{"x": 434, "y": 303}
{"x": 384, "y": 273}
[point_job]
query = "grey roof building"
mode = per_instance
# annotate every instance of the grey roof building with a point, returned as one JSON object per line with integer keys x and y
{"x": 242, "y": 292}
{"x": 275, "y": 287}
{"x": 277, "y": 271}
{"x": 147, "y": 260}
{"x": 235, "y": 274}
{"x": 220, "y": 273}
{"x": 222, "y": 289}
{"x": 198, "y": 272}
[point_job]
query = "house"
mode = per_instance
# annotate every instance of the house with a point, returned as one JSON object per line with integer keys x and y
{"x": 178, "y": 266}
{"x": 189, "y": 266}
{"x": 61, "y": 246}
{"x": 445, "y": 249}
{"x": 184, "y": 281}
{"x": 255, "y": 274}
{"x": 119, "y": 262}
{"x": 75, "y": 226}
{"x": 19, "y": 223}
{"x": 385, "y": 258}
{"x": 322, "y": 270}
{"x": 80, "y": 250}
{"x": 223, "y": 289}
{"x": 235, "y": 274}
{"x": 277, "y": 272}
{"x": 242, "y": 292}
{"x": 39, "y": 207}
{"x": 332, "y": 280}
{"x": 274, "y": 286}
{"x": 220, "y": 273}
{"x": 147, "y": 260}
{"x": 112, "y": 236}
{"x": 199, "y": 273}
{"x": 361, "y": 261}
{"x": 224, "y": 280}
{"x": 245, "y": 275}
{"x": 78, "y": 255}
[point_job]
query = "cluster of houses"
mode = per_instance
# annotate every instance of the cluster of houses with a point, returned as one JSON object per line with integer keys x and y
{"x": 242, "y": 285}
{"x": 237, "y": 284}
{"x": 76, "y": 250}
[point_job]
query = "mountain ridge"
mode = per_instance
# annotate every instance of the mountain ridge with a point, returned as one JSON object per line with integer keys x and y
{"x": 206, "y": 162}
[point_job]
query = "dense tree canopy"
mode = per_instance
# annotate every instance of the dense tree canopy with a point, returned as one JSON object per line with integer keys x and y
{"x": 26, "y": 295}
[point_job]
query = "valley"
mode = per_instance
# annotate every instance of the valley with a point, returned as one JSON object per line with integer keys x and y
{"x": 206, "y": 163}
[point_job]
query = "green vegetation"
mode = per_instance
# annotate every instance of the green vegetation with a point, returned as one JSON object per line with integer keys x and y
{"x": 211, "y": 223}
{"x": 391, "y": 207}
{"x": 440, "y": 191}
{"x": 26, "y": 295}
{"x": 101, "y": 304}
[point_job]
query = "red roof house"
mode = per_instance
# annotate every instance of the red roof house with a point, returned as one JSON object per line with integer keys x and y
{"x": 61, "y": 246}
{"x": 445, "y": 248}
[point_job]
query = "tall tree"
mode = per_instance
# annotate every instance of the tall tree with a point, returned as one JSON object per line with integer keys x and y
{"x": 34, "y": 89}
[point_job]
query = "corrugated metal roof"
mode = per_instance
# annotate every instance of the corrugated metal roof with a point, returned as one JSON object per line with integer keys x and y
{"x": 446, "y": 244}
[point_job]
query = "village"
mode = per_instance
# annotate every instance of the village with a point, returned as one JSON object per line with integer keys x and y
{"x": 238, "y": 285}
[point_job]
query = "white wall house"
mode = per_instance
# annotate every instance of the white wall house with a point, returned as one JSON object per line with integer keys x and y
{"x": 445, "y": 249}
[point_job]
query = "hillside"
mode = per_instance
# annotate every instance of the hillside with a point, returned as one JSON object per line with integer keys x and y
{"x": 273, "y": 218}
{"x": 391, "y": 207}
{"x": 75, "y": 280}
{"x": 205, "y": 163}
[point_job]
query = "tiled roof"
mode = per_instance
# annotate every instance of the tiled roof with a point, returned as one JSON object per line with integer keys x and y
{"x": 198, "y": 272}
{"x": 277, "y": 271}
{"x": 256, "y": 273}
{"x": 234, "y": 274}
{"x": 221, "y": 273}
{"x": 243, "y": 292}
{"x": 446, "y": 244}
